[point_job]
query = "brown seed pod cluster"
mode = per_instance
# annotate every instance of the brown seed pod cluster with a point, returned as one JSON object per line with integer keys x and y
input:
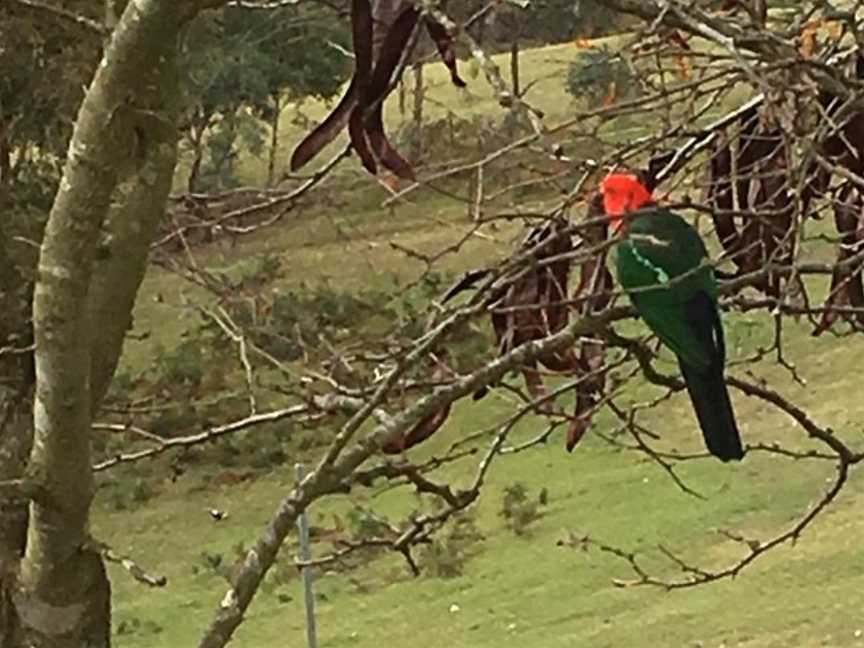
{"x": 382, "y": 36}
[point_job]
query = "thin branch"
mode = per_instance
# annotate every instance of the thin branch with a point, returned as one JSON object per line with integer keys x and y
{"x": 135, "y": 570}
{"x": 696, "y": 576}
{"x": 90, "y": 25}
{"x": 23, "y": 489}
{"x": 203, "y": 437}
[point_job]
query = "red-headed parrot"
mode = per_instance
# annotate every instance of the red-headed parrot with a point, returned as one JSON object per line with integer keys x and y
{"x": 662, "y": 265}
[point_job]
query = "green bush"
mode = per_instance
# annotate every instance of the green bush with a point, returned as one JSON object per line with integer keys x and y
{"x": 142, "y": 491}
{"x": 297, "y": 321}
{"x": 364, "y": 524}
{"x": 595, "y": 73}
{"x": 518, "y": 510}
{"x": 184, "y": 364}
{"x": 446, "y": 557}
{"x": 134, "y": 625}
{"x": 215, "y": 564}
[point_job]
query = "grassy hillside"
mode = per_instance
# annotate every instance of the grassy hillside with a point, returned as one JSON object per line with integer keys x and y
{"x": 515, "y": 590}
{"x": 526, "y": 588}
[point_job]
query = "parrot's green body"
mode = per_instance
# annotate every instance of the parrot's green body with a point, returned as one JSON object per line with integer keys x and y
{"x": 662, "y": 265}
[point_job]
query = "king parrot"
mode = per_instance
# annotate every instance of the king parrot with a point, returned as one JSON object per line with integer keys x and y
{"x": 662, "y": 266}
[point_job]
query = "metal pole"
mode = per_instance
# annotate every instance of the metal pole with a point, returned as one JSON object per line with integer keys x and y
{"x": 306, "y": 556}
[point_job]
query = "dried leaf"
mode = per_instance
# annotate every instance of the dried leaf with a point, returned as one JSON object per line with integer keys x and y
{"x": 685, "y": 67}
{"x": 424, "y": 429}
{"x": 751, "y": 180}
{"x": 593, "y": 294}
{"x": 593, "y": 355}
{"x": 326, "y": 131}
{"x": 391, "y": 182}
{"x": 720, "y": 198}
{"x": 536, "y": 305}
{"x": 834, "y": 29}
{"x": 362, "y": 27}
{"x": 357, "y": 92}
{"x": 444, "y": 43}
{"x": 391, "y": 51}
{"x": 847, "y": 288}
{"x": 430, "y": 424}
{"x": 533, "y": 306}
{"x": 674, "y": 37}
{"x": 359, "y": 140}
{"x": 807, "y": 44}
{"x": 381, "y": 33}
{"x": 389, "y": 156}
{"x": 611, "y": 94}
{"x": 581, "y": 421}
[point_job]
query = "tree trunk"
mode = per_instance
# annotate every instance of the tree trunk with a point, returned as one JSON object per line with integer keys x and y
{"x": 114, "y": 187}
{"x": 417, "y": 114}
{"x": 514, "y": 67}
{"x": 274, "y": 140}
{"x": 196, "y": 137}
{"x": 5, "y": 158}
{"x": 223, "y": 163}
{"x": 6, "y": 127}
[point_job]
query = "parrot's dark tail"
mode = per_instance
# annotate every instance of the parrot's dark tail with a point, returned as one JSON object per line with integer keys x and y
{"x": 714, "y": 410}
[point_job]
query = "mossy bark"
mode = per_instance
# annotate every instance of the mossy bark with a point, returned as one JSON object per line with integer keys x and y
{"x": 54, "y": 590}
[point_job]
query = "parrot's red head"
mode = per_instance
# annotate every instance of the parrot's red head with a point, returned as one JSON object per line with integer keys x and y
{"x": 623, "y": 193}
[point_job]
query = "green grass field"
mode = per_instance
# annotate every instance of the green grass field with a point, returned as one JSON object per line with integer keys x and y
{"x": 516, "y": 590}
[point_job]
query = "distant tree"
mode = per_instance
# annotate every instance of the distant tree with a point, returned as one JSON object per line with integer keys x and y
{"x": 247, "y": 65}
{"x": 600, "y": 75}
{"x": 541, "y": 22}
{"x": 44, "y": 66}
{"x": 596, "y": 19}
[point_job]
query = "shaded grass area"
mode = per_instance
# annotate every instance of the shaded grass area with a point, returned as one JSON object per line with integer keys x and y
{"x": 515, "y": 590}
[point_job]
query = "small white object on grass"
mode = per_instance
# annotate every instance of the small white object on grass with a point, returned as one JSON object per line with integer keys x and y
{"x": 217, "y": 515}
